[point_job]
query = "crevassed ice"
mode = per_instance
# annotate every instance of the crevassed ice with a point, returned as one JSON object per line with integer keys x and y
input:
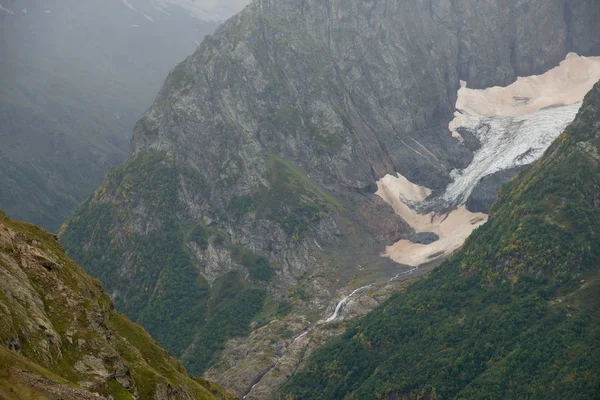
{"x": 516, "y": 124}
{"x": 506, "y": 142}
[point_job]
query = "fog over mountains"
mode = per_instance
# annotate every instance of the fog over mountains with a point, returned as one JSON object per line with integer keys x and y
{"x": 74, "y": 78}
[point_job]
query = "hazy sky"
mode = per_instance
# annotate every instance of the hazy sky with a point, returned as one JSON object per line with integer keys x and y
{"x": 204, "y": 9}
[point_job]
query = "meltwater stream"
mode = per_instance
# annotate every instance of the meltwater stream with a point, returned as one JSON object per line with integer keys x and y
{"x": 342, "y": 302}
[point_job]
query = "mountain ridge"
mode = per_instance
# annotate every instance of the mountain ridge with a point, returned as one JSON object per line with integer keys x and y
{"x": 74, "y": 78}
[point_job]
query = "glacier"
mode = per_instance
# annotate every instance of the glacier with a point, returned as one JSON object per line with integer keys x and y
{"x": 506, "y": 142}
{"x": 514, "y": 125}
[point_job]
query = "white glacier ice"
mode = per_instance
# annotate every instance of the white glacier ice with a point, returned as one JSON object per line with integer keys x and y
{"x": 506, "y": 142}
{"x": 517, "y": 123}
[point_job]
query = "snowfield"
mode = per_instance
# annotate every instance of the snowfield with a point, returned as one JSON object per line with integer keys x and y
{"x": 515, "y": 125}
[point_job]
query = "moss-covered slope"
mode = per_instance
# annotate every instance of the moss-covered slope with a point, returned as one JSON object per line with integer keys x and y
{"x": 60, "y": 336}
{"x": 514, "y": 315}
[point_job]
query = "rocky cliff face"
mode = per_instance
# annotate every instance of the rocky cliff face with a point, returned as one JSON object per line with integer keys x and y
{"x": 339, "y": 87}
{"x": 256, "y": 166}
{"x": 60, "y": 336}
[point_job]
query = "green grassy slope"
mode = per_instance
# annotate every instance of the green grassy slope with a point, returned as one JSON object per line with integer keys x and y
{"x": 515, "y": 314}
{"x": 62, "y": 327}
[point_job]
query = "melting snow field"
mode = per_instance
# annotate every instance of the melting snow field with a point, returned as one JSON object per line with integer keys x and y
{"x": 515, "y": 126}
{"x": 452, "y": 228}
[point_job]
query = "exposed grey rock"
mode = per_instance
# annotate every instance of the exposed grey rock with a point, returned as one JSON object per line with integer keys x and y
{"x": 582, "y": 17}
{"x": 424, "y": 238}
{"x": 486, "y": 191}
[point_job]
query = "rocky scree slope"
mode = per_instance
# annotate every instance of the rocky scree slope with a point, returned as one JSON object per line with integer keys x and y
{"x": 513, "y": 315}
{"x": 249, "y": 186}
{"x": 60, "y": 337}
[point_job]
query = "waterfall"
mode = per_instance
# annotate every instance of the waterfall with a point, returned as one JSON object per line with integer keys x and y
{"x": 342, "y": 302}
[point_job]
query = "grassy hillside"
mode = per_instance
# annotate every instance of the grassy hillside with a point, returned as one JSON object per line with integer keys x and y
{"x": 60, "y": 336}
{"x": 515, "y": 314}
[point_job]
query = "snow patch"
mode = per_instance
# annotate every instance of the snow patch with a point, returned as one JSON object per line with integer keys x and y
{"x": 149, "y": 18}
{"x": 24, "y": 11}
{"x": 135, "y": 26}
{"x": 452, "y": 228}
{"x": 48, "y": 11}
{"x": 566, "y": 84}
{"x": 130, "y": 6}
{"x": 7, "y": 10}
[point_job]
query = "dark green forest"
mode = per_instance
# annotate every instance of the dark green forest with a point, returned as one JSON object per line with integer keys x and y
{"x": 514, "y": 315}
{"x": 169, "y": 297}
{"x": 134, "y": 234}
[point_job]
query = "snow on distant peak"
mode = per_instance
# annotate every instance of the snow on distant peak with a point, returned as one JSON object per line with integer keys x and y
{"x": 205, "y": 10}
{"x": 130, "y": 6}
{"x": 214, "y": 10}
{"x": 7, "y": 10}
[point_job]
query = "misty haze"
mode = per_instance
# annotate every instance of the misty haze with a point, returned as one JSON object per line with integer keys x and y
{"x": 299, "y": 199}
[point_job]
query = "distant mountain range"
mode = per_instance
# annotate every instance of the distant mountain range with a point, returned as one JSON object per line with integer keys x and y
{"x": 74, "y": 78}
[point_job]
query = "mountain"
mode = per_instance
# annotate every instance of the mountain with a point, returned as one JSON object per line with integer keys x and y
{"x": 74, "y": 78}
{"x": 515, "y": 314}
{"x": 247, "y": 206}
{"x": 60, "y": 336}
